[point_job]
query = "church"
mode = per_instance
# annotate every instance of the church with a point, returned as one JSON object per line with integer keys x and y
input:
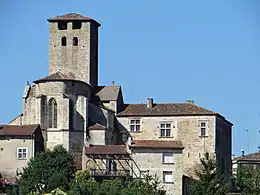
{"x": 69, "y": 107}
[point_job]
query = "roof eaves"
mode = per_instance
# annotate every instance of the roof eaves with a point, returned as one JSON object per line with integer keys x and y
{"x": 162, "y": 114}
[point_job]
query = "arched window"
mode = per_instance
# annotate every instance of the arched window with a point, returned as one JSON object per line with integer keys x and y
{"x": 52, "y": 113}
{"x": 63, "y": 41}
{"x": 71, "y": 115}
{"x": 75, "y": 41}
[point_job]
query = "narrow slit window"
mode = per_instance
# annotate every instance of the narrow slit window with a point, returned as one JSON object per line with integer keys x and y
{"x": 71, "y": 114}
{"x": 75, "y": 41}
{"x": 63, "y": 41}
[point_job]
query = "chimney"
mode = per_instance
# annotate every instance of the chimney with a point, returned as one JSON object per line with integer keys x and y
{"x": 113, "y": 83}
{"x": 149, "y": 102}
{"x": 243, "y": 152}
{"x": 190, "y": 101}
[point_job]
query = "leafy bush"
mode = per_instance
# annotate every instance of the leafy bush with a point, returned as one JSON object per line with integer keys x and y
{"x": 47, "y": 171}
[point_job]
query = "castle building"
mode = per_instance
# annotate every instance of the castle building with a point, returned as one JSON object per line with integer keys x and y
{"x": 73, "y": 110}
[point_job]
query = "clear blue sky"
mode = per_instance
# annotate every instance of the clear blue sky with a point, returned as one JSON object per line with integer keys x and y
{"x": 171, "y": 50}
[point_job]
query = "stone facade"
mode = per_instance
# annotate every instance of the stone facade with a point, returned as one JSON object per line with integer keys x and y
{"x": 151, "y": 161}
{"x": 187, "y": 130}
{"x": 74, "y": 111}
{"x": 81, "y": 60}
{"x": 66, "y": 94}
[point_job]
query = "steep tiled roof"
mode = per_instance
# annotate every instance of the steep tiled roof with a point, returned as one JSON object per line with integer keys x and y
{"x": 108, "y": 93}
{"x": 17, "y": 129}
{"x": 96, "y": 126}
{"x": 253, "y": 156}
{"x": 57, "y": 76}
{"x": 164, "y": 110}
{"x": 106, "y": 149}
{"x": 156, "y": 144}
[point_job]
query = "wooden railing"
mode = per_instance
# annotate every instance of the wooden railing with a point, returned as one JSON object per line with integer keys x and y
{"x": 109, "y": 173}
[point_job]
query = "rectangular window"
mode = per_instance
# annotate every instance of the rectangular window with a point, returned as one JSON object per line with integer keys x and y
{"x": 165, "y": 129}
{"x": 167, "y": 177}
{"x": 203, "y": 129}
{"x": 62, "y": 25}
{"x": 76, "y": 25}
{"x": 168, "y": 157}
{"x": 135, "y": 125}
{"x": 22, "y": 153}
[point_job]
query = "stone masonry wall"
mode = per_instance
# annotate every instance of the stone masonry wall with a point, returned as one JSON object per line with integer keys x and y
{"x": 183, "y": 128}
{"x": 69, "y": 58}
{"x": 151, "y": 159}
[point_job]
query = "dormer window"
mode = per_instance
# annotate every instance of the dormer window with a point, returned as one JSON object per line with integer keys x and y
{"x": 76, "y": 25}
{"x": 62, "y": 25}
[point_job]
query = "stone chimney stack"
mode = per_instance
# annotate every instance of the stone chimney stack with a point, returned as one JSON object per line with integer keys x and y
{"x": 149, "y": 102}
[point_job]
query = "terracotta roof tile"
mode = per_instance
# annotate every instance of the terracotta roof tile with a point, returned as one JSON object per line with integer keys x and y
{"x": 156, "y": 144}
{"x": 253, "y": 156}
{"x": 107, "y": 149}
{"x": 173, "y": 109}
{"x": 96, "y": 126}
{"x": 71, "y": 17}
{"x": 108, "y": 93}
{"x": 17, "y": 129}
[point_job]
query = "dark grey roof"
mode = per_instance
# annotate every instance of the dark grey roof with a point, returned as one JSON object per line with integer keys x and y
{"x": 108, "y": 93}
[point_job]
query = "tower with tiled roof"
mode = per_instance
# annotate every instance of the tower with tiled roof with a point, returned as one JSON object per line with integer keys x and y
{"x": 73, "y": 47}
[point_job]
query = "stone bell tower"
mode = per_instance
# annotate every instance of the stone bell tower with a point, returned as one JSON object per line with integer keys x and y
{"x": 73, "y": 47}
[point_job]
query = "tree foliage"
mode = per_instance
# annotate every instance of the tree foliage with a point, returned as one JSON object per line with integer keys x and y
{"x": 47, "y": 171}
{"x": 247, "y": 179}
{"x": 210, "y": 181}
{"x": 84, "y": 184}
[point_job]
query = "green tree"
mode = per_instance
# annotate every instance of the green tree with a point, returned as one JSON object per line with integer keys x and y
{"x": 210, "y": 181}
{"x": 84, "y": 184}
{"x": 47, "y": 171}
{"x": 247, "y": 179}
